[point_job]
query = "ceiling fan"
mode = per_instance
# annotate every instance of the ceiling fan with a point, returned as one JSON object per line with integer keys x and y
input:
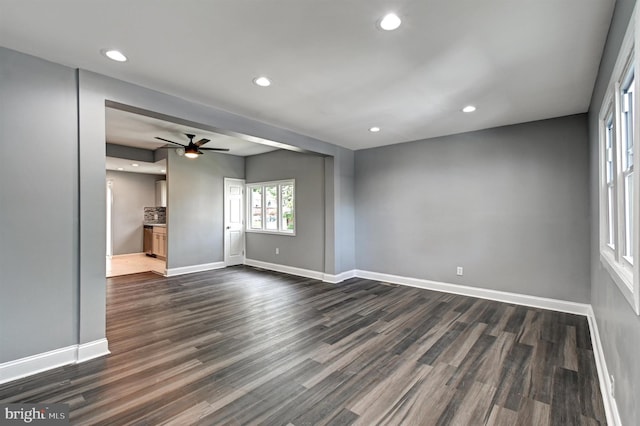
{"x": 194, "y": 148}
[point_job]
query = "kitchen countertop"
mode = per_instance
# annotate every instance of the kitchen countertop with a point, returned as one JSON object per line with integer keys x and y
{"x": 155, "y": 224}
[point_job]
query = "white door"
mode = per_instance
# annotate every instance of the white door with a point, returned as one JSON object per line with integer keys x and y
{"x": 233, "y": 221}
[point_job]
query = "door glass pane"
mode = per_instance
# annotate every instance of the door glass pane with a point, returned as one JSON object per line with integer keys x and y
{"x": 256, "y": 208}
{"x": 271, "y": 207}
{"x": 287, "y": 207}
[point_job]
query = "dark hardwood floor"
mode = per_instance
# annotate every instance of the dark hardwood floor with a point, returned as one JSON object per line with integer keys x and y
{"x": 244, "y": 346}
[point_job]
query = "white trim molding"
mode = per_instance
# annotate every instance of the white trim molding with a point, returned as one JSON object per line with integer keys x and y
{"x": 608, "y": 400}
{"x": 335, "y": 279}
{"x": 91, "y": 350}
{"x": 172, "y": 272}
{"x": 23, "y": 367}
{"x": 34, "y": 364}
{"x": 307, "y": 273}
{"x": 482, "y": 293}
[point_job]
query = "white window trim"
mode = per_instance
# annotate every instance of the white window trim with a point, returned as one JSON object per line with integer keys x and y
{"x": 271, "y": 231}
{"x": 624, "y": 274}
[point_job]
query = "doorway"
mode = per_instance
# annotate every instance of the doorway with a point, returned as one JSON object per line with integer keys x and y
{"x": 129, "y": 197}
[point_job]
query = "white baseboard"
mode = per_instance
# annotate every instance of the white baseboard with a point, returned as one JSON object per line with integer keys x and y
{"x": 91, "y": 350}
{"x": 38, "y": 363}
{"x": 172, "y": 272}
{"x": 610, "y": 405}
{"x": 34, "y": 364}
{"x": 300, "y": 272}
{"x": 307, "y": 273}
{"x": 335, "y": 279}
{"x": 482, "y": 293}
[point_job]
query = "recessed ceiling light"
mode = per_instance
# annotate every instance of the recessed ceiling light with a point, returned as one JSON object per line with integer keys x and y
{"x": 469, "y": 108}
{"x": 135, "y": 164}
{"x": 374, "y": 129}
{"x": 390, "y": 22}
{"x": 120, "y": 168}
{"x": 114, "y": 55}
{"x": 262, "y": 81}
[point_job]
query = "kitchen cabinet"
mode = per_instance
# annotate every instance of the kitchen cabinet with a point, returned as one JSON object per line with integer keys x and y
{"x": 160, "y": 241}
{"x": 147, "y": 246}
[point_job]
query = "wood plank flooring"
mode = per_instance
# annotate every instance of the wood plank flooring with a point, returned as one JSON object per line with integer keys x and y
{"x": 245, "y": 346}
{"x": 134, "y": 263}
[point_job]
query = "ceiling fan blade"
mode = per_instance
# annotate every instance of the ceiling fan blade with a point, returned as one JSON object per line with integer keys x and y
{"x": 201, "y": 142}
{"x": 216, "y": 149}
{"x": 167, "y": 140}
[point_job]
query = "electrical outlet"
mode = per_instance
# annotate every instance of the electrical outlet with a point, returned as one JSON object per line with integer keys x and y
{"x": 459, "y": 271}
{"x": 612, "y": 391}
{"x": 277, "y": 250}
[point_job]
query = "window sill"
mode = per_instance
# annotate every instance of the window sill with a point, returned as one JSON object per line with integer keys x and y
{"x": 622, "y": 277}
{"x": 285, "y": 234}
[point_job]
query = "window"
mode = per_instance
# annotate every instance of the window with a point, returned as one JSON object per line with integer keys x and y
{"x": 618, "y": 180}
{"x": 626, "y": 135}
{"x": 271, "y": 207}
{"x": 609, "y": 155}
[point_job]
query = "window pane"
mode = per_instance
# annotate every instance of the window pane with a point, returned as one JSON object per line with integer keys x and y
{"x": 628, "y": 215}
{"x": 610, "y": 216}
{"x": 627, "y": 93}
{"x": 256, "y": 208}
{"x": 627, "y": 121}
{"x": 286, "y": 192}
{"x": 609, "y": 149}
{"x": 271, "y": 207}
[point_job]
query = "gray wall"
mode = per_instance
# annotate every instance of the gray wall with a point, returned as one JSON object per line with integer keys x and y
{"x": 305, "y": 249}
{"x": 345, "y": 210}
{"x": 508, "y": 204}
{"x": 130, "y": 153}
{"x": 132, "y": 192}
{"x": 38, "y": 206}
{"x": 195, "y": 209}
{"x": 618, "y": 325}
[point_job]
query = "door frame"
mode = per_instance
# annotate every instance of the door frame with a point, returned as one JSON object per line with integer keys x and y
{"x": 109, "y": 221}
{"x": 226, "y": 226}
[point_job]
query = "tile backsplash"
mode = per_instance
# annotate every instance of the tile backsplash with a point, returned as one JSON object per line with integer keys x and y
{"x": 151, "y": 212}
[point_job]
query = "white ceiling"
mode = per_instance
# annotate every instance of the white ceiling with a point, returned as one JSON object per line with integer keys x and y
{"x": 125, "y": 128}
{"x": 334, "y": 73}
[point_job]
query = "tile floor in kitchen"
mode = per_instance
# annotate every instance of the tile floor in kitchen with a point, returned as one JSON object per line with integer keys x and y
{"x": 134, "y": 263}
